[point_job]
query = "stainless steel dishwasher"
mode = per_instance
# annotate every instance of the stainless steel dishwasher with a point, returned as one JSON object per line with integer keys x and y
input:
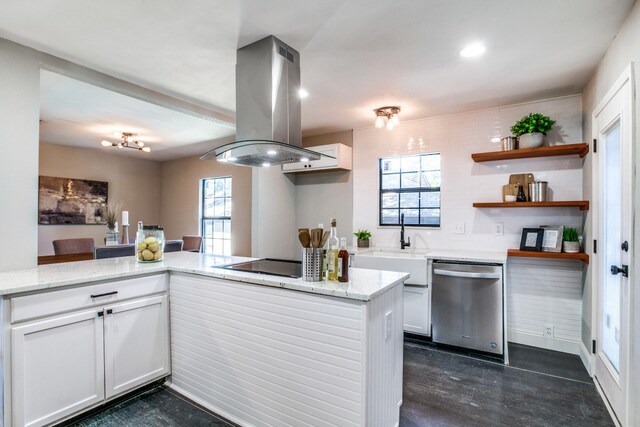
{"x": 467, "y": 305}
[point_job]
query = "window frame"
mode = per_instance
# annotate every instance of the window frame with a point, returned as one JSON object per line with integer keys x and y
{"x": 400, "y": 191}
{"x": 203, "y": 218}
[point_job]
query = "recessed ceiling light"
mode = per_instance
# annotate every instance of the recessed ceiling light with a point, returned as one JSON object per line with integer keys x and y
{"x": 304, "y": 159}
{"x": 266, "y": 164}
{"x": 272, "y": 152}
{"x": 232, "y": 159}
{"x": 474, "y": 49}
{"x": 302, "y": 93}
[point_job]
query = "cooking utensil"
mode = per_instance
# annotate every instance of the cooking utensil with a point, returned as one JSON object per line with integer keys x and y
{"x": 316, "y": 237}
{"x": 305, "y": 238}
{"x": 325, "y": 236}
{"x": 303, "y": 229}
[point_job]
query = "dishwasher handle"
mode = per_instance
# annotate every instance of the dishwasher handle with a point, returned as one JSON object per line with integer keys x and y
{"x": 467, "y": 274}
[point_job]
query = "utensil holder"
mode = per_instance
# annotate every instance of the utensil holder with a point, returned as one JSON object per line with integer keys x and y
{"x": 312, "y": 260}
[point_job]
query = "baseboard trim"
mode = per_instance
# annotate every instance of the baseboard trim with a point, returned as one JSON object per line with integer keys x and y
{"x": 606, "y": 403}
{"x": 564, "y": 346}
{"x": 587, "y": 359}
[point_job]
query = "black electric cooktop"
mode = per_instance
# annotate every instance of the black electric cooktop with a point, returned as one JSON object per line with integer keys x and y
{"x": 274, "y": 267}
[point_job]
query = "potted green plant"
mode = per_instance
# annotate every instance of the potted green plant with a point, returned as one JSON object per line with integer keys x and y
{"x": 363, "y": 238}
{"x": 570, "y": 241}
{"x": 531, "y": 130}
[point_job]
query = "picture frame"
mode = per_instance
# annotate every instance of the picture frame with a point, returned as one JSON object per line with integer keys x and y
{"x": 71, "y": 201}
{"x": 531, "y": 239}
{"x": 552, "y": 238}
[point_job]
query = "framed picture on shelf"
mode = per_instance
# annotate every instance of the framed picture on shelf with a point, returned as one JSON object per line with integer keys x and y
{"x": 531, "y": 239}
{"x": 552, "y": 238}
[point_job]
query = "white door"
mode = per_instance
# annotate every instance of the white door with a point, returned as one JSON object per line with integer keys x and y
{"x": 613, "y": 124}
{"x": 57, "y": 367}
{"x": 136, "y": 340}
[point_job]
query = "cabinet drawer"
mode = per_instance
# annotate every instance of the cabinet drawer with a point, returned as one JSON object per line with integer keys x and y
{"x": 48, "y": 303}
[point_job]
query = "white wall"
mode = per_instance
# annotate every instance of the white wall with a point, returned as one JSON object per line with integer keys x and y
{"x": 133, "y": 181}
{"x": 19, "y": 115}
{"x": 456, "y": 137}
{"x": 321, "y": 196}
{"x": 624, "y": 49}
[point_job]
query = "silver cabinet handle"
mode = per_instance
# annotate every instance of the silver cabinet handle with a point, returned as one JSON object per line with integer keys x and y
{"x": 467, "y": 275}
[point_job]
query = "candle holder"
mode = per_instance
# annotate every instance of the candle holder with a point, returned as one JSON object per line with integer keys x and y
{"x": 125, "y": 234}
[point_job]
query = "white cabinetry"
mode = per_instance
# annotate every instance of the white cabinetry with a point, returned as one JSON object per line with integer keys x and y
{"x": 340, "y": 160}
{"x": 58, "y": 367}
{"x": 417, "y": 309}
{"x": 72, "y": 349}
{"x": 136, "y": 343}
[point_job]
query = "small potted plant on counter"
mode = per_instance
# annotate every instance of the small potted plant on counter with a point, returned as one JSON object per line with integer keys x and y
{"x": 532, "y": 129}
{"x": 570, "y": 241}
{"x": 363, "y": 238}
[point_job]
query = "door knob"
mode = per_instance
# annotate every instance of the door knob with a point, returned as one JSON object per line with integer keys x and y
{"x": 625, "y": 246}
{"x": 622, "y": 269}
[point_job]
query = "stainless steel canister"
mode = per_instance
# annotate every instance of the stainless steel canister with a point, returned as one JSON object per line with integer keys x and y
{"x": 538, "y": 191}
{"x": 312, "y": 260}
{"x": 509, "y": 143}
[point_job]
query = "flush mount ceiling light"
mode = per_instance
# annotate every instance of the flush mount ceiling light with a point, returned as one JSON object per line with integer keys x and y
{"x": 472, "y": 50}
{"x": 127, "y": 142}
{"x": 387, "y": 116}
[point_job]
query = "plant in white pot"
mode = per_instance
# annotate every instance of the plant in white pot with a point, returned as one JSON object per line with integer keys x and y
{"x": 532, "y": 129}
{"x": 363, "y": 238}
{"x": 570, "y": 241}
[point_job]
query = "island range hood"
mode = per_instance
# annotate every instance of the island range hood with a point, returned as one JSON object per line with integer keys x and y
{"x": 268, "y": 128}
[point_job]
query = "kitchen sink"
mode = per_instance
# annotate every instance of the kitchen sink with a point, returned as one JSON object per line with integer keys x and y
{"x": 408, "y": 262}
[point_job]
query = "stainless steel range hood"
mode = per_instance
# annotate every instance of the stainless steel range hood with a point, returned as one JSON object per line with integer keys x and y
{"x": 267, "y": 108}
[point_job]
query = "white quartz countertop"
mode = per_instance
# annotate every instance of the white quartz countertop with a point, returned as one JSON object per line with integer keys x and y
{"x": 364, "y": 284}
{"x": 498, "y": 257}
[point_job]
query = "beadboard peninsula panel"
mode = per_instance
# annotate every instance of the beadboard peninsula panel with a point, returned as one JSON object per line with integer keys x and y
{"x": 267, "y": 356}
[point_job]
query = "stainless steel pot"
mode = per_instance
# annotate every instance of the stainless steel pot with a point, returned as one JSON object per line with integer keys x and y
{"x": 509, "y": 143}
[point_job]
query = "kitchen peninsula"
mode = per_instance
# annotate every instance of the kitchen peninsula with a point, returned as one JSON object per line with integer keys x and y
{"x": 256, "y": 349}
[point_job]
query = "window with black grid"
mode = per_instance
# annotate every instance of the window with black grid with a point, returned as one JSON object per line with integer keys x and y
{"x": 216, "y": 215}
{"x": 410, "y": 185}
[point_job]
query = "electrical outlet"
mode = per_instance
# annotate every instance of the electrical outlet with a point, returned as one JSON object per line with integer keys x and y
{"x": 458, "y": 228}
{"x": 387, "y": 325}
{"x": 548, "y": 331}
{"x": 499, "y": 231}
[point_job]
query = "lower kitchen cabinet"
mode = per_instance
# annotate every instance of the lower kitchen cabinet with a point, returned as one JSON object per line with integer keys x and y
{"x": 136, "y": 343}
{"x": 57, "y": 367}
{"x": 74, "y": 349}
{"x": 417, "y": 309}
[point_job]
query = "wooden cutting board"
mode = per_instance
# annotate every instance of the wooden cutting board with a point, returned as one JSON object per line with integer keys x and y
{"x": 509, "y": 189}
{"x": 522, "y": 179}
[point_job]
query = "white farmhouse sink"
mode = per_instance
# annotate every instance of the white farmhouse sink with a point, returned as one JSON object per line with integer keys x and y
{"x": 408, "y": 262}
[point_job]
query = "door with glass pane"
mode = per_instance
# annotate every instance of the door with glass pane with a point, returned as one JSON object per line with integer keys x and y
{"x": 612, "y": 188}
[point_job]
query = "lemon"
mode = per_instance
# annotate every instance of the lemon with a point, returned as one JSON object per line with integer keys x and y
{"x": 157, "y": 255}
{"x": 147, "y": 255}
{"x": 154, "y": 247}
{"x": 142, "y": 246}
{"x": 149, "y": 240}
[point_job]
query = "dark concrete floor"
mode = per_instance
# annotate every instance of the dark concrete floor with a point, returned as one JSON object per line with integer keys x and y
{"x": 441, "y": 388}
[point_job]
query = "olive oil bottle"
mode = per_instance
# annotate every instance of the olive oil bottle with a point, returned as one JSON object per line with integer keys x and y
{"x": 332, "y": 253}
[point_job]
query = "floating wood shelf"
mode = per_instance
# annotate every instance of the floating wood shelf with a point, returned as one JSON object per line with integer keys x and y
{"x": 525, "y": 153}
{"x": 582, "y": 204}
{"x": 581, "y": 256}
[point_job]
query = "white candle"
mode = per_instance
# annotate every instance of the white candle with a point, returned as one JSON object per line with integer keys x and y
{"x": 125, "y": 217}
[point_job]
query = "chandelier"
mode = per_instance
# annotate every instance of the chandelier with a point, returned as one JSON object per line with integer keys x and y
{"x": 387, "y": 117}
{"x": 128, "y": 141}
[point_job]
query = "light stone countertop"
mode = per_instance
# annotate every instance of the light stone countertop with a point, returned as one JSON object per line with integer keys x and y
{"x": 363, "y": 285}
{"x": 497, "y": 257}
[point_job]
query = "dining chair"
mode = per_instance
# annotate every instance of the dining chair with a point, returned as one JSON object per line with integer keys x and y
{"x": 173, "y": 245}
{"x": 115, "y": 251}
{"x": 73, "y": 246}
{"x": 192, "y": 243}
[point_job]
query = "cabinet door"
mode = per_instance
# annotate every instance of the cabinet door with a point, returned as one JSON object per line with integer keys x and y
{"x": 417, "y": 310}
{"x": 57, "y": 367}
{"x": 136, "y": 337}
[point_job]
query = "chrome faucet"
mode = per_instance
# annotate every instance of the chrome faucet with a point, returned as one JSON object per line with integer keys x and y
{"x": 403, "y": 244}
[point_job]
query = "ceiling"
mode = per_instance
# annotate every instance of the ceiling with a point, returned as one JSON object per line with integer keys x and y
{"x": 356, "y": 55}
